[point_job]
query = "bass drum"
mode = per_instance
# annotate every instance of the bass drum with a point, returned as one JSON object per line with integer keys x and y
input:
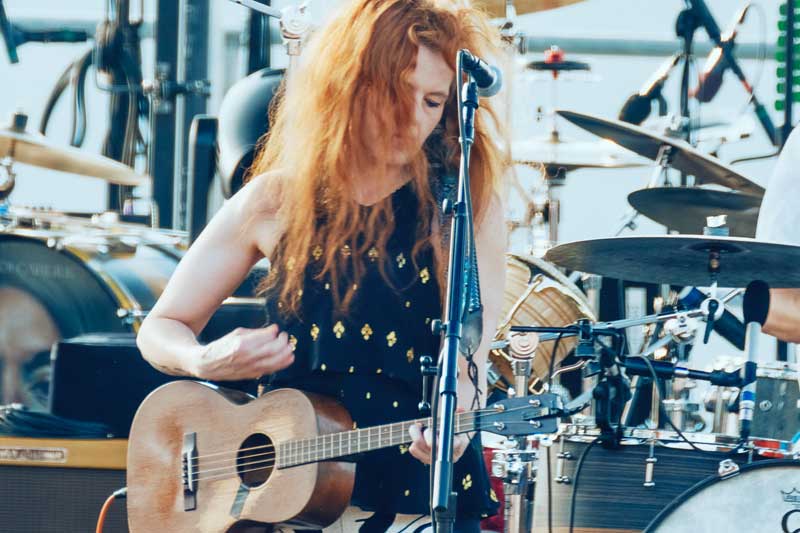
{"x": 763, "y": 496}
{"x": 56, "y": 285}
{"x": 536, "y": 294}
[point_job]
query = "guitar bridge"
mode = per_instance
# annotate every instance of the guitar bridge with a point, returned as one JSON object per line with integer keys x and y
{"x": 190, "y": 474}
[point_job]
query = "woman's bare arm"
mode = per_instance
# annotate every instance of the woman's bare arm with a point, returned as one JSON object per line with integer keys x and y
{"x": 215, "y": 265}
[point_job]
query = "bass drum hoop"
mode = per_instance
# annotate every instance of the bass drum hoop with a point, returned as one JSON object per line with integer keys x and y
{"x": 709, "y": 481}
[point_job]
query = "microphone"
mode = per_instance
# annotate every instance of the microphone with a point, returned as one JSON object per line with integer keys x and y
{"x": 8, "y": 35}
{"x": 488, "y": 77}
{"x": 716, "y": 64}
{"x": 638, "y": 106}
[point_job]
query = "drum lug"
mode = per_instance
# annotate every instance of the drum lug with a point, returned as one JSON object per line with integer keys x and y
{"x": 650, "y": 466}
{"x": 648, "y": 472}
{"x": 727, "y": 468}
{"x": 562, "y": 456}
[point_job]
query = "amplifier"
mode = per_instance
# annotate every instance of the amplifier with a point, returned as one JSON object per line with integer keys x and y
{"x": 60, "y": 485}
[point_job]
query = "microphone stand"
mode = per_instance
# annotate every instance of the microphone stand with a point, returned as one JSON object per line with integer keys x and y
{"x": 443, "y": 499}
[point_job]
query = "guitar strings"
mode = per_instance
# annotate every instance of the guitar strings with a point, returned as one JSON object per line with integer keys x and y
{"x": 465, "y": 415}
{"x": 267, "y": 464}
{"x": 200, "y": 475}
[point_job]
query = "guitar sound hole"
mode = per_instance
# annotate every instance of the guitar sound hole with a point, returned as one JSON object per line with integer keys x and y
{"x": 255, "y": 460}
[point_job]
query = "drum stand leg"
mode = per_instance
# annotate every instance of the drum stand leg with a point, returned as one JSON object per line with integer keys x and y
{"x": 517, "y": 466}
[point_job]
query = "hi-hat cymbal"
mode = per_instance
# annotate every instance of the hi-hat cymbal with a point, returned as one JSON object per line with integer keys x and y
{"x": 497, "y": 8}
{"x": 683, "y": 260}
{"x": 685, "y": 208}
{"x": 570, "y": 155}
{"x": 683, "y": 156}
{"x": 37, "y": 150}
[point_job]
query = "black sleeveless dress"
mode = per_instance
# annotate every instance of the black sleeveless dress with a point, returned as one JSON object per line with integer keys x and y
{"x": 369, "y": 362}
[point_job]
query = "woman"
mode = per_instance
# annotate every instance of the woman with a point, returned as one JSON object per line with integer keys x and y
{"x": 344, "y": 202}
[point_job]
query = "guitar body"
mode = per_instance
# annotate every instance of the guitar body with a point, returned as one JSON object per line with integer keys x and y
{"x": 216, "y": 430}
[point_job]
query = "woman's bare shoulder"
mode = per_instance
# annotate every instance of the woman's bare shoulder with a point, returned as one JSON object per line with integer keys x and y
{"x": 260, "y": 200}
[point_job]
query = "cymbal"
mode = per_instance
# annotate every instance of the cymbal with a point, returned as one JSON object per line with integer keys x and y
{"x": 682, "y": 260}
{"x": 685, "y": 208}
{"x": 684, "y": 157}
{"x": 37, "y": 150}
{"x": 555, "y": 152}
{"x": 497, "y": 8}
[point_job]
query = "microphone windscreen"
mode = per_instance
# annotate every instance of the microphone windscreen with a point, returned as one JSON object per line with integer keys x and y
{"x": 636, "y": 109}
{"x": 756, "y": 302}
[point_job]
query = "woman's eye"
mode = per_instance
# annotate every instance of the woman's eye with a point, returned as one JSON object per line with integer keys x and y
{"x": 433, "y": 103}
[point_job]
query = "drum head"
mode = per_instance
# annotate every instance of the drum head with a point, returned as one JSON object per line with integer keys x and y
{"x": 764, "y": 496}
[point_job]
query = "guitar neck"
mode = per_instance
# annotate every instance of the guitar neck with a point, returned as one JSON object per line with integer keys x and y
{"x": 335, "y": 445}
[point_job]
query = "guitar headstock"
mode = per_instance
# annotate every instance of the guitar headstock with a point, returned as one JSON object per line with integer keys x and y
{"x": 527, "y": 415}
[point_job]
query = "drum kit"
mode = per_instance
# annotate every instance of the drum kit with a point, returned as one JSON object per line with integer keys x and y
{"x": 680, "y": 466}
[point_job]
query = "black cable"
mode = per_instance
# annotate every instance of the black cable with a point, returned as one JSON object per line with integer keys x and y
{"x": 17, "y": 420}
{"x": 79, "y": 120}
{"x": 52, "y": 99}
{"x": 573, "y": 499}
{"x": 417, "y": 519}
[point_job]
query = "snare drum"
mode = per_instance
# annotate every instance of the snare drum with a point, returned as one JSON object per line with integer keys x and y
{"x": 621, "y": 490}
{"x": 763, "y": 496}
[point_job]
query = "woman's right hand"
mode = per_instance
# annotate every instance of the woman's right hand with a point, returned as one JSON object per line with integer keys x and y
{"x": 245, "y": 354}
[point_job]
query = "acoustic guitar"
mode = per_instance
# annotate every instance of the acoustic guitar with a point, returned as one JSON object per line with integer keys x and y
{"x": 207, "y": 459}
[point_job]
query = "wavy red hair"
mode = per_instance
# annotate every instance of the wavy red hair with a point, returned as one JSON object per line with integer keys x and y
{"x": 355, "y": 67}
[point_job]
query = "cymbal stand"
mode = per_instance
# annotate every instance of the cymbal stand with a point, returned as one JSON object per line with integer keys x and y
{"x": 516, "y": 466}
{"x": 658, "y": 176}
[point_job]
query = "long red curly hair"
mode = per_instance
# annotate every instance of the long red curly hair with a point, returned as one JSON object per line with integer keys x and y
{"x": 358, "y": 66}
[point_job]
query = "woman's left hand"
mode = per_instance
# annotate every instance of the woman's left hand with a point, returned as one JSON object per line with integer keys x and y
{"x": 421, "y": 443}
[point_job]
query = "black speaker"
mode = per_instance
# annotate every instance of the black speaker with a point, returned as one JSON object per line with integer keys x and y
{"x": 104, "y": 378}
{"x": 59, "y": 485}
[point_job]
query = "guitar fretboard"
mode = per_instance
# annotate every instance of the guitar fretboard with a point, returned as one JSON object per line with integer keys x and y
{"x": 334, "y": 445}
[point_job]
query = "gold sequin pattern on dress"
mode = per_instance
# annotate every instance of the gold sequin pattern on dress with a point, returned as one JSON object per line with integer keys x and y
{"x": 373, "y": 254}
{"x": 338, "y": 329}
{"x": 407, "y": 493}
{"x": 366, "y": 332}
{"x": 379, "y": 371}
{"x": 323, "y": 367}
{"x": 316, "y": 253}
{"x": 401, "y": 260}
{"x": 493, "y": 495}
{"x": 424, "y": 275}
{"x": 293, "y": 341}
{"x": 467, "y": 482}
{"x": 410, "y": 355}
{"x": 314, "y": 331}
{"x": 368, "y": 395}
{"x": 346, "y": 250}
{"x": 403, "y": 448}
{"x": 351, "y": 369}
{"x": 395, "y": 404}
{"x": 391, "y": 339}
{"x": 408, "y": 304}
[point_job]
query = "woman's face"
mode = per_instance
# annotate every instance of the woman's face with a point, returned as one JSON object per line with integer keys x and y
{"x": 430, "y": 82}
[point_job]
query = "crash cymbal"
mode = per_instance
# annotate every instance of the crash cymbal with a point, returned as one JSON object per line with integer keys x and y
{"x": 553, "y": 151}
{"x": 34, "y": 149}
{"x": 685, "y": 208}
{"x": 683, "y": 157}
{"x": 682, "y": 260}
{"x": 497, "y": 8}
